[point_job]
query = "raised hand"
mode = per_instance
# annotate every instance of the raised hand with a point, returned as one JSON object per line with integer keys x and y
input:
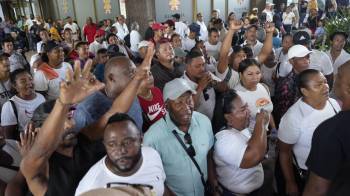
{"x": 79, "y": 85}
{"x": 269, "y": 27}
{"x": 27, "y": 139}
{"x": 146, "y": 64}
{"x": 236, "y": 25}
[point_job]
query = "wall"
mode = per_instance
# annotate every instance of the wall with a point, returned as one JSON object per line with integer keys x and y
{"x": 163, "y": 11}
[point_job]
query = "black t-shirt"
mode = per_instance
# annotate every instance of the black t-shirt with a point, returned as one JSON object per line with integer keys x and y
{"x": 330, "y": 147}
{"x": 65, "y": 172}
{"x": 162, "y": 75}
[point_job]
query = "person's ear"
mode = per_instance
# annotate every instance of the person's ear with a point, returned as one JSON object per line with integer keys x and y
{"x": 304, "y": 92}
{"x": 110, "y": 77}
{"x": 227, "y": 118}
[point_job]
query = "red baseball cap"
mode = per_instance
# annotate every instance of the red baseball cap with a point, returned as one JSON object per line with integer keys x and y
{"x": 157, "y": 26}
{"x": 99, "y": 33}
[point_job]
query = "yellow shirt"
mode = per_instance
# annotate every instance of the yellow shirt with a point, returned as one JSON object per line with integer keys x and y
{"x": 313, "y": 5}
{"x": 54, "y": 34}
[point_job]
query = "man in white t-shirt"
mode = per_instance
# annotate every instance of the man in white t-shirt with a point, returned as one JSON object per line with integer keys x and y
{"x": 72, "y": 26}
{"x": 252, "y": 41}
{"x": 44, "y": 36}
{"x": 98, "y": 42}
{"x": 204, "y": 30}
{"x": 122, "y": 28}
{"x": 268, "y": 11}
{"x": 288, "y": 19}
{"x": 180, "y": 27}
{"x": 126, "y": 161}
{"x": 190, "y": 41}
{"x": 337, "y": 54}
{"x": 213, "y": 45}
{"x": 238, "y": 153}
{"x": 281, "y": 54}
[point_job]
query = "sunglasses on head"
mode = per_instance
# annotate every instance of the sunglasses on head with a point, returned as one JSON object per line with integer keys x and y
{"x": 190, "y": 150}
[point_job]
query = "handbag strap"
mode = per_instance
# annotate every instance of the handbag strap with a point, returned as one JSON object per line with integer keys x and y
{"x": 335, "y": 111}
{"x": 14, "y": 110}
{"x": 192, "y": 158}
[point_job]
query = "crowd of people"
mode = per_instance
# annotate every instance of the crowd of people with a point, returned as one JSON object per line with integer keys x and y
{"x": 243, "y": 106}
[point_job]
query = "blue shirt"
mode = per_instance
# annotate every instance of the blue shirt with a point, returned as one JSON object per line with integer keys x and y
{"x": 96, "y": 105}
{"x": 99, "y": 72}
{"x": 182, "y": 176}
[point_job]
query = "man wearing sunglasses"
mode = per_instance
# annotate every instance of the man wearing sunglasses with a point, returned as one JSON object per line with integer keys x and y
{"x": 182, "y": 138}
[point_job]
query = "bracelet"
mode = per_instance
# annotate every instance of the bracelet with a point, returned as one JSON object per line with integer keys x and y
{"x": 63, "y": 104}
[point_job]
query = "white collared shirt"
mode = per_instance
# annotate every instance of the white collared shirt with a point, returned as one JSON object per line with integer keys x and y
{"x": 340, "y": 60}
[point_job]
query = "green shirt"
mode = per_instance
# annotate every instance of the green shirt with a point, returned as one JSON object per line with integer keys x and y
{"x": 182, "y": 176}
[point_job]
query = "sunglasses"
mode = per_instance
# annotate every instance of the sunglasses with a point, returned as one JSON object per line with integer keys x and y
{"x": 190, "y": 150}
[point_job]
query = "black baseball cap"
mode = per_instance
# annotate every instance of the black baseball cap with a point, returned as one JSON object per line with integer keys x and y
{"x": 302, "y": 38}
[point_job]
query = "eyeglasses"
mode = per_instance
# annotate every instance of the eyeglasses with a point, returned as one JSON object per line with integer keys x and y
{"x": 190, "y": 150}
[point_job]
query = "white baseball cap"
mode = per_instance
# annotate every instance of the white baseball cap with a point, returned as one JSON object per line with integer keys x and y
{"x": 175, "y": 88}
{"x": 143, "y": 43}
{"x": 298, "y": 51}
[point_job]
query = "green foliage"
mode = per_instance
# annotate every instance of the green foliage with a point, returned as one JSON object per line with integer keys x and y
{"x": 341, "y": 22}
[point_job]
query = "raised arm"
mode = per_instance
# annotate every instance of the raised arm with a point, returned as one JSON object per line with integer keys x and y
{"x": 267, "y": 48}
{"x": 76, "y": 88}
{"x": 124, "y": 101}
{"x": 256, "y": 148}
{"x": 226, "y": 45}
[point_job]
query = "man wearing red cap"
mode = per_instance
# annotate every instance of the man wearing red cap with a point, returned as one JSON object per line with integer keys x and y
{"x": 97, "y": 44}
{"x": 89, "y": 30}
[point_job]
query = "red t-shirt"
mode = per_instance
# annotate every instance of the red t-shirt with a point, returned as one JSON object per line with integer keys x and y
{"x": 154, "y": 109}
{"x": 89, "y": 32}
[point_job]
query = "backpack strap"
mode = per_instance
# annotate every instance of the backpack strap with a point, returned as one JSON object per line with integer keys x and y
{"x": 15, "y": 111}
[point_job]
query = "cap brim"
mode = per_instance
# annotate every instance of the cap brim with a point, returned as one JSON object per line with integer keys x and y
{"x": 174, "y": 97}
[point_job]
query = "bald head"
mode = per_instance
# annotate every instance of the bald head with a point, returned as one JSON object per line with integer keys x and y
{"x": 118, "y": 73}
{"x": 119, "y": 65}
{"x": 342, "y": 85}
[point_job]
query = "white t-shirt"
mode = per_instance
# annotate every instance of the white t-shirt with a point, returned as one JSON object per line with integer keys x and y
{"x": 298, "y": 125}
{"x": 269, "y": 15}
{"x": 25, "y": 110}
{"x": 39, "y": 47}
{"x": 135, "y": 39}
{"x": 340, "y": 60}
{"x": 229, "y": 150}
{"x": 5, "y": 92}
{"x": 188, "y": 44}
{"x": 74, "y": 27}
{"x": 256, "y": 48}
{"x": 287, "y": 18}
{"x": 52, "y": 87}
{"x": 10, "y": 148}
{"x": 151, "y": 173}
{"x": 318, "y": 60}
{"x": 181, "y": 29}
{"x": 95, "y": 46}
{"x": 233, "y": 80}
{"x": 203, "y": 31}
{"x": 213, "y": 50}
{"x": 205, "y": 107}
{"x": 260, "y": 98}
{"x": 267, "y": 74}
{"x": 122, "y": 30}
